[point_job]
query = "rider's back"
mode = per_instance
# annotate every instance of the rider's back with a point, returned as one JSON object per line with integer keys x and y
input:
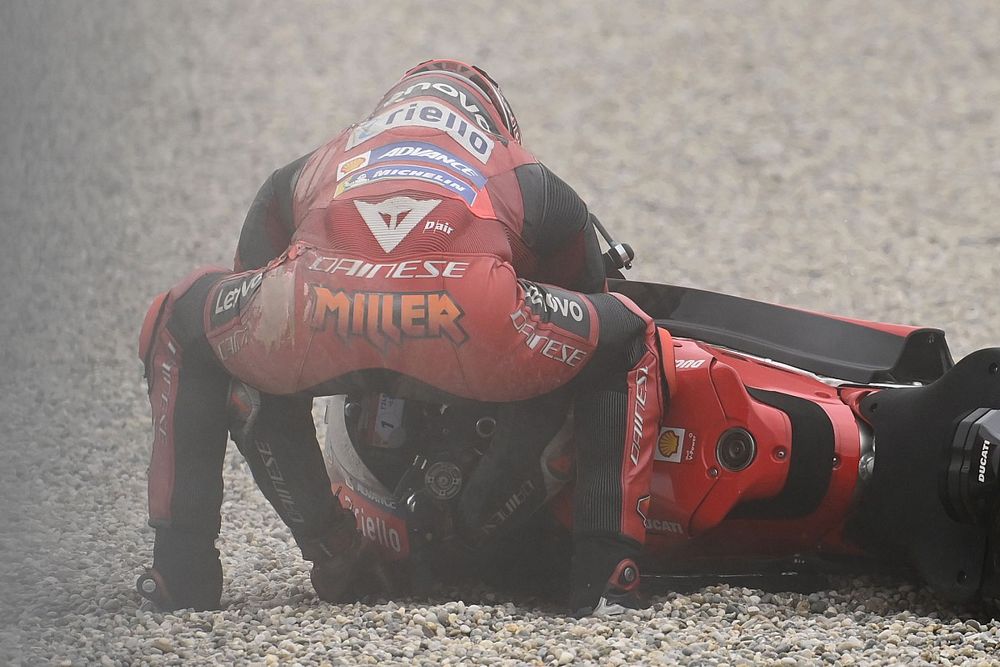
{"x": 417, "y": 179}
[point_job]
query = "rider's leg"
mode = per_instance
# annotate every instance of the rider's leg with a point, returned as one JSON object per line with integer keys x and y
{"x": 187, "y": 392}
{"x": 190, "y": 396}
{"x": 606, "y": 350}
{"x": 619, "y": 401}
{"x": 509, "y": 483}
{"x": 277, "y": 437}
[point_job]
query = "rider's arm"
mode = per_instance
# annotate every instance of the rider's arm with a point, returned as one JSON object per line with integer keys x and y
{"x": 577, "y": 265}
{"x": 269, "y": 224}
{"x": 559, "y": 232}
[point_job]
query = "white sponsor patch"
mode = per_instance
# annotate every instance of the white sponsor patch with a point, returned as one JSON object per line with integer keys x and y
{"x": 391, "y": 220}
{"x": 425, "y": 113}
{"x": 670, "y": 445}
{"x": 353, "y": 164}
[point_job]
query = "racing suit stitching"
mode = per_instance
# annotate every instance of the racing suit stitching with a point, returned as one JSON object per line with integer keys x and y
{"x": 458, "y": 359}
{"x": 545, "y": 194}
{"x": 300, "y": 249}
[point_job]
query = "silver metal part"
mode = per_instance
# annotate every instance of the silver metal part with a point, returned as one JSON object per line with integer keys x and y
{"x": 866, "y": 464}
{"x": 443, "y": 480}
{"x": 622, "y": 257}
{"x": 486, "y": 427}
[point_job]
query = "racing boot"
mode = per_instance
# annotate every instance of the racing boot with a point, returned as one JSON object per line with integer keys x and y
{"x": 153, "y": 590}
{"x": 186, "y": 574}
{"x": 594, "y": 592}
{"x": 621, "y": 592}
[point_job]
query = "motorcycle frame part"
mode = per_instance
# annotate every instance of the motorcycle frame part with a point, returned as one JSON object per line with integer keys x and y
{"x": 385, "y": 479}
{"x": 971, "y": 481}
{"x": 619, "y": 256}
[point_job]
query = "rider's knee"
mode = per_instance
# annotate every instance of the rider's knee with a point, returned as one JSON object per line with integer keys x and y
{"x": 180, "y": 310}
{"x": 629, "y": 338}
{"x": 625, "y": 333}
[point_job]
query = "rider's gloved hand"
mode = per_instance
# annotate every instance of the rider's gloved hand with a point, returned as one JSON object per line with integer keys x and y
{"x": 347, "y": 567}
{"x": 337, "y": 559}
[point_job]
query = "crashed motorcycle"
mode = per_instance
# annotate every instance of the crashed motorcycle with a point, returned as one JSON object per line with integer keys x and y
{"x": 795, "y": 443}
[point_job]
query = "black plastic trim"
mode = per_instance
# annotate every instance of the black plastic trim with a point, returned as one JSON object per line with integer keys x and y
{"x": 810, "y": 464}
{"x": 814, "y": 342}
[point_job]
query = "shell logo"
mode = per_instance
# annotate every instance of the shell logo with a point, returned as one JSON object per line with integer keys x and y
{"x": 347, "y": 166}
{"x": 669, "y": 444}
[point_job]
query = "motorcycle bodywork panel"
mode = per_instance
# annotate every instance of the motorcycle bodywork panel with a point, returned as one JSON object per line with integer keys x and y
{"x": 795, "y": 492}
{"x": 852, "y": 350}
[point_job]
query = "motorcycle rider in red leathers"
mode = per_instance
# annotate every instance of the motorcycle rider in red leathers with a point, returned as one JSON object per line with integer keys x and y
{"x": 422, "y": 253}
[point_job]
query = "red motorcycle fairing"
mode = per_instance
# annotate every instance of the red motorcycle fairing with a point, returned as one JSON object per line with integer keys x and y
{"x": 691, "y": 492}
{"x": 783, "y": 500}
{"x": 378, "y": 520}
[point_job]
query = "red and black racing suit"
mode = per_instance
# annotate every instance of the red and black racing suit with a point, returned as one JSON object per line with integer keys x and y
{"x": 420, "y": 260}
